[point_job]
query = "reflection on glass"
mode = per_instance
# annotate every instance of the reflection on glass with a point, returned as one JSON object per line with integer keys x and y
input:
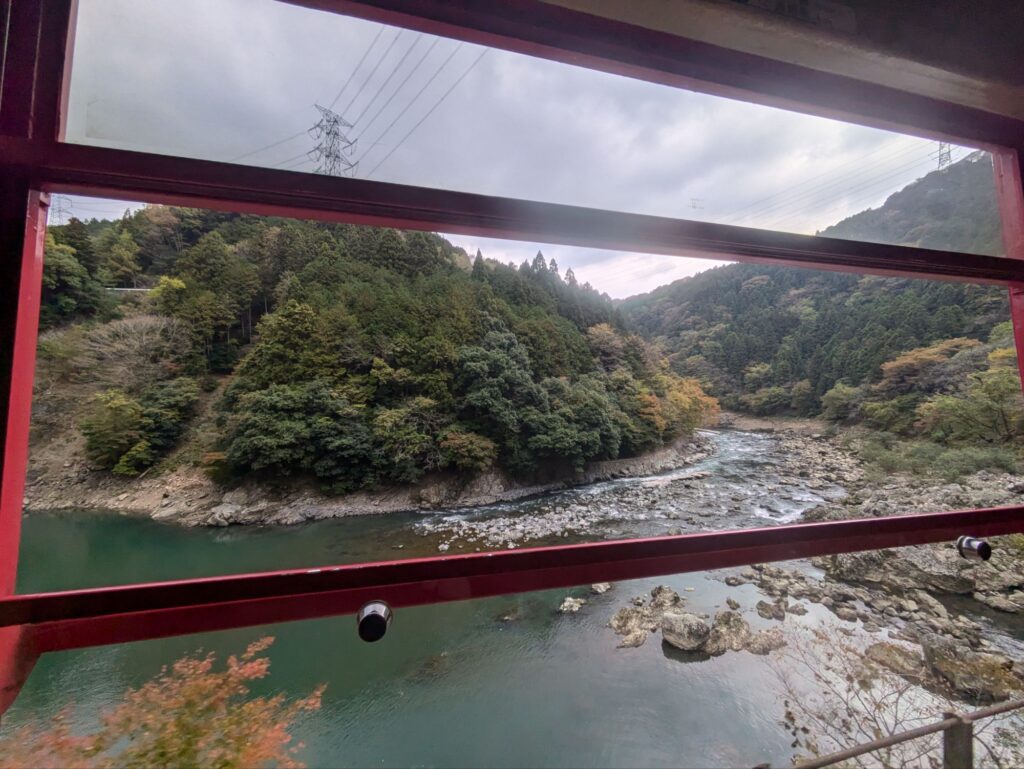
{"x": 279, "y": 86}
{"x": 215, "y": 372}
{"x": 368, "y": 394}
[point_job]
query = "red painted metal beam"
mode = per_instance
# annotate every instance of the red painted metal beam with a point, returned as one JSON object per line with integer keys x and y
{"x": 1008, "y": 167}
{"x": 22, "y": 230}
{"x": 548, "y": 31}
{"x": 162, "y": 179}
{"x": 72, "y": 619}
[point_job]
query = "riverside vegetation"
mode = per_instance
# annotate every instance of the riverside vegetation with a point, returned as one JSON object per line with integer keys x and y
{"x": 354, "y": 357}
{"x": 272, "y": 352}
{"x": 359, "y": 358}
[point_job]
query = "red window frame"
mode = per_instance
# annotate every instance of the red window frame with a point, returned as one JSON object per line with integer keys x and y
{"x": 34, "y": 162}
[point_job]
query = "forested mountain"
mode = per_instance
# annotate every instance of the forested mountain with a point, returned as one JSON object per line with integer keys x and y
{"x": 355, "y": 355}
{"x": 775, "y": 340}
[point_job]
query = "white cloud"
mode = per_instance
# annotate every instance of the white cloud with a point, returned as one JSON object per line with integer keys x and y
{"x": 216, "y": 80}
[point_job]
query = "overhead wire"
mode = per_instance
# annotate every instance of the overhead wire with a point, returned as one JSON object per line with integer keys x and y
{"x": 373, "y": 72}
{"x": 429, "y": 112}
{"x": 787, "y": 199}
{"x": 413, "y": 71}
{"x": 387, "y": 80}
{"x": 869, "y": 185}
{"x": 303, "y": 132}
{"x": 412, "y": 101}
{"x": 823, "y": 175}
{"x": 352, "y": 74}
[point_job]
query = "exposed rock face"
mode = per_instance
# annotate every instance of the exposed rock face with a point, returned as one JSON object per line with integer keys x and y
{"x": 187, "y": 496}
{"x": 572, "y": 605}
{"x": 730, "y": 632}
{"x": 912, "y": 568}
{"x": 977, "y": 676}
{"x": 766, "y": 641}
{"x": 899, "y": 659}
{"x": 635, "y": 621}
{"x": 776, "y": 610}
{"x": 684, "y": 631}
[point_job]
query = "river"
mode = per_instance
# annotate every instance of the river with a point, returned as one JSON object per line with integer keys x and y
{"x": 498, "y": 682}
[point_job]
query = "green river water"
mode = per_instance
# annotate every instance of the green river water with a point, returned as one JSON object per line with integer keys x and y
{"x": 451, "y": 685}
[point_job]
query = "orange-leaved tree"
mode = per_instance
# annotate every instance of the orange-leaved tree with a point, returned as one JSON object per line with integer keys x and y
{"x": 189, "y": 715}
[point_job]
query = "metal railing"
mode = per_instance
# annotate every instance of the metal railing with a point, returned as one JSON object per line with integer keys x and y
{"x": 957, "y": 739}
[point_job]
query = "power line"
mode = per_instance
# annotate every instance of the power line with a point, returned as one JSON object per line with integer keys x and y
{"x": 430, "y": 111}
{"x": 785, "y": 202}
{"x": 380, "y": 30}
{"x": 303, "y": 154}
{"x": 412, "y": 101}
{"x": 366, "y": 53}
{"x": 826, "y": 174}
{"x": 373, "y": 72}
{"x": 401, "y": 85}
{"x": 870, "y": 184}
{"x": 388, "y": 79}
{"x": 267, "y": 147}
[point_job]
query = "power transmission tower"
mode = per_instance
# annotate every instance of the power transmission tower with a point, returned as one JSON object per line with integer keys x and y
{"x": 61, "y": 205}
{"x": 334, "y": 146}
{"x": 945, "y": 155}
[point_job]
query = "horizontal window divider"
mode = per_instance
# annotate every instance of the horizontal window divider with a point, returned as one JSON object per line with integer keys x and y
{"x": 88, "y": 617}
{"x": 82, "y": 169}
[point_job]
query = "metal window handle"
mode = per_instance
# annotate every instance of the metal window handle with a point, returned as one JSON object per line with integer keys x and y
{"x": 373, "y": 621}
{"x": 973, "y": 549}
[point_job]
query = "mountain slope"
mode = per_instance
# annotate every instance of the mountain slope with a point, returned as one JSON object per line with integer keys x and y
{"x": 772, "y": 339}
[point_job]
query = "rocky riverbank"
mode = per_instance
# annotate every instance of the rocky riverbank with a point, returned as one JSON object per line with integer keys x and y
{"x": 893, "y": 599}
{"x": 188, "y": 496}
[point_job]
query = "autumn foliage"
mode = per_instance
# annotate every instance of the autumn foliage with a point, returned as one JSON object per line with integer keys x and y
{"x": 190, "y": 715}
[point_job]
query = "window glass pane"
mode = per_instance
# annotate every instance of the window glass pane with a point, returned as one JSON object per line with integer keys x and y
{"x": 513, "y": 681}
{"x": 240, "y": 82}
{"x": 220, "y": 394}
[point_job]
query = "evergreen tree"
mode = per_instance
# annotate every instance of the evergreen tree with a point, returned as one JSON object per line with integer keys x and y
{"x": 122, "y": 263}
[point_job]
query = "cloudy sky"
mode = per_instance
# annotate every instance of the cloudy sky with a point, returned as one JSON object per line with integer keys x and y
{"x": 237, "y": 80}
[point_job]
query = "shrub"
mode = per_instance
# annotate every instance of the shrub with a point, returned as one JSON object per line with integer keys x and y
{"x": 112, "y": 427}
{"x": 189, "y": 715}
{"x": 841, "y": 403}
{"x": 128, "y": 435}
{"x": 767, "y": 400}
{"x": 887, "y": 455}
{"x": 306, "y": 428}
{"x": 467, "y": 450}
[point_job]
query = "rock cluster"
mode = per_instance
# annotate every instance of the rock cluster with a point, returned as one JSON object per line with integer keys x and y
{"x": 954, "y": 654}
{"x": 943, "y": 665}
{"x": 688, "y": 631}
{"x": 636, "y": 621}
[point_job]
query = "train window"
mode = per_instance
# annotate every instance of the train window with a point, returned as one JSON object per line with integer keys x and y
{"x": 390, "y": 104}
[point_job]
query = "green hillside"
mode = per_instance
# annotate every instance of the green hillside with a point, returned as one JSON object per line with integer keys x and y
{"x": 774, "y": 340}
{"x": 930, "y": 365}
{"x": 353, "y": 355}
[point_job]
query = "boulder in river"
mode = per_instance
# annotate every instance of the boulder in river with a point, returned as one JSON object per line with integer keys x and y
{"x": 776, "y": 610}
{"x": 730, "y": 632}
{"x": 664, "y": 597}
{"x": 899, "y": 659}
{"x": 765, "y": 641}
{"x": 684, "y": 631}
{"x": 572, "y": 605}
{"x": 978, "y": 676}
{"x": 600, "y": 588}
